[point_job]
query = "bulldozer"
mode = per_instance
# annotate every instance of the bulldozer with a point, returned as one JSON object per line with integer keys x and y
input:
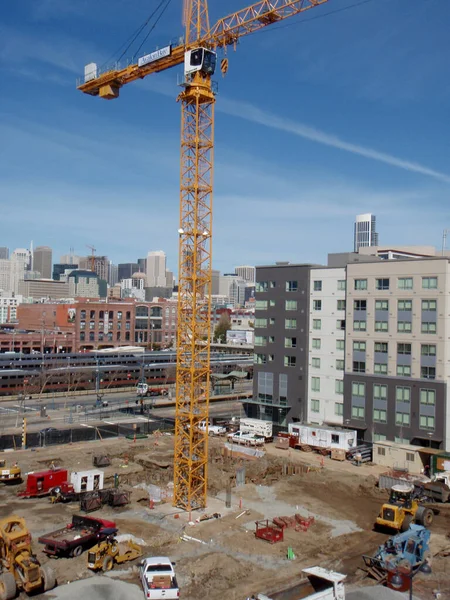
{"x": 9, "y": 475}
{"x": 20, "y": 569}
{"x": 402, "y": 509}
{"x": 104, "y": 555}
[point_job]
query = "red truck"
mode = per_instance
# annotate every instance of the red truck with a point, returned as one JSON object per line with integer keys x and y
{"x": 43, "y": 482}
{"x": 79, "y": 535}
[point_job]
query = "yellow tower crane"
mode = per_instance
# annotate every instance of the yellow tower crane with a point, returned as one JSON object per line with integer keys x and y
{"x": 198, "y": 53}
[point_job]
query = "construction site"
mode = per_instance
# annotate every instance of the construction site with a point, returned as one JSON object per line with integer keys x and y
{"x": 326, "y": 511}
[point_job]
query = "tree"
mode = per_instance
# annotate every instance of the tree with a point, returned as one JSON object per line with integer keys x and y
{"x": 224, "y": 325}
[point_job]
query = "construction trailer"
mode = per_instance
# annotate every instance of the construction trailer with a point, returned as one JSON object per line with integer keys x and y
{"x": 312, "y": 437}
{"x": 87, "y": 481}
{"x": 412, "y": 459}
{"x": 41, "y": 483}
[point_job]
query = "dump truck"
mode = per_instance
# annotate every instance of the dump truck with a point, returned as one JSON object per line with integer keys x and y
{"x": 437, "y": 489}
{"x": 10, "y": 475}
{"x": 104, "y": 555}
{"x": 19, "y": 567}
{"x": 79, "y": 535}
{"x": 317, "y": 584}
{"x": 406, "y": 552}
{"x": 402, "y": 509}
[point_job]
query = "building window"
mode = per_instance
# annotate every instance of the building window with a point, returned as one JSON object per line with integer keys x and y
{"x": 381, "y": 304}
{"x": 381, "y": 326}
{"x": 405, "y": 305}
{"x": 91, "y": 324}
{"x": 358, "y": 389}
{"x": 272, "y": 339}
{"x": 272, "y": 303}
{"x": 379, "y": 391}
{"x": 429, "y": 283}
{"x": 381, "y": 347}
{"x": 315, "y": 384}
{"x": 272, "y": 321}
{"x": 261, "y": 305}
{"x": 426, "y": 422}
{"x": 428, "y": 350}
{"x": 261, "y": 286}
{"x": 399, "y": 440}
{"x": 358, "y": 412}
{"x": 315, "y": 363}
{"x": 403, "y": 394}
{"x": 403, "y": 371}
{"x": 290, "y": 361}
{"x": 82, "y": 336}
{"x": 260, "y": 323}
{"x": 403, "y": 348}
{"x": 260, "y": 340}
{"x": 82, "y": 314}
{"x": 359, "y": 346}
{"x": 410, "y": 457}
{"x": 339, "y": 386}
{"x": 92, "y": 336}
{"x": 428, "y": 372}
{"x": 379, "y": 415}
{"x": 382, "y": 284}
{"x": 404, "y": 327}
{"x": 359, "y": 325}
{"x": 272, "y": 284}
{"x": 380, "y": 451}
{"x": 128, "y": 315}
{"x": 360, "y": 304}
{"x": 316, "y": 343}
{"x": 341, "y": 285}
{"x": 290, "y": 305}
{"x": 429, "y": 305}
{"x": 317, "y": 324}
{"x": 259, "y": 359}
{"x": 290, "y": 323}
{"x": 359, "y": 366}
{"x": 271, "y": 357}
{"x": 290, "y": 342}
{"x": 380, "y": 437}
{"x": 360, "y": 284}
{"x": 341, "y": 304}
{"x": 317, "y": 286}
{"x": 402, "y": 418}
{"x": 340, "y": 324}
{"x": 405, "y": 283}
{"x": 340, "y": 345}
{"x": 339, "y": 364}
{"x": 291, "y": 286}
{"x": 317, "y": 304}
{"x": 428, "y": 327}
{"x": 119, "y": 315}
{"x": 315, "y": 406}
{"x": 339, "y": 409}
{"x": 82, "y": 324}
{"x": 380, "y": 368}
{"x": 428, "y": 397}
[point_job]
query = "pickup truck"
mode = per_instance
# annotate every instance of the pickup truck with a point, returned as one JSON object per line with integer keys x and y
{"x": 158, "y": 578}
{"x": 79, "y": 535}
{"x": 212, "y": 429}
{"x": 246, "y": 439}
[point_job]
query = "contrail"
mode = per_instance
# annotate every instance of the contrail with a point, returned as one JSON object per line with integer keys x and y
{"x": 256, "y": 115}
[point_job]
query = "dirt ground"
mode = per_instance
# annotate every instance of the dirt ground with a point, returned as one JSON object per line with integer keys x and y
{"x": 224, "y": 556}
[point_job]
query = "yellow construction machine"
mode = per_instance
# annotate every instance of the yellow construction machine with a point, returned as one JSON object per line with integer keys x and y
{"x": 402, "y": 509}
{"x": 9, "y": 475}
{"x": 20, "y": 570}
{"x": 104, "y": 555}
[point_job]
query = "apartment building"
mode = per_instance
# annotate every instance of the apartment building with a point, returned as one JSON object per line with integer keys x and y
{"x": 326, "y": 346}
{"x": 397, "y": 351}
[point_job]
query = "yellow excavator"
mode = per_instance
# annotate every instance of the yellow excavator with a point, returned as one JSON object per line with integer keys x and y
{"x": 20, "y": 570}
{"x": 10, "y": 475}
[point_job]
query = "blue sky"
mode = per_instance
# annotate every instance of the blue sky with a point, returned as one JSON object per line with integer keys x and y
{"x": 318, "y": 119}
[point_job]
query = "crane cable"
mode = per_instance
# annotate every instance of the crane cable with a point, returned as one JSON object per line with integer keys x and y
{"x": 154, "y": 24}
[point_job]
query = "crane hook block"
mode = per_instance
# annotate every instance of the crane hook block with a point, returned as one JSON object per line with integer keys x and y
{"x": 224, "y": 66}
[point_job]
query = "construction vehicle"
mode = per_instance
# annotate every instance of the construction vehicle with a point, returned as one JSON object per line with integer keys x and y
{"x": 402, "y": 509}
{"x": 19, "y": 567}
{"x": 406, "y": 552}
{"x": 10, "y": 475}
{"x": 105, "y": 554}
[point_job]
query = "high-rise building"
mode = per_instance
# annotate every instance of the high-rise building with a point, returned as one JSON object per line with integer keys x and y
{"x": 5, "y": 274}
{"x": 365, "y": 231}
{"x": 233, "y": 287}
{"x": 126, "y": 270}
{"x": 215, "y": 282}
{"x": 84, "y": 284}
{"x": 42, "y": 261}
{"x": 20, "y": 262}
{"x": 142, "y": 264}
{"x": 169, "y": 279}
{"x": 156, "y": 269}
{"x": 59, "y": 269}
{"x": 70, "y": 259}
{"x": 113, "y": 274}
{"x": 246, "y": 272}
{"x": 4, "y": 252}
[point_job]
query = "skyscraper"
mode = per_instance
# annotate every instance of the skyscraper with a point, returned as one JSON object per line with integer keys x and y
{"x": 365, "y": 231}
{"x": 4, "y": 252}
{"x": 156, "y": 269}
{"x": 42, "y": 261}
{"x": 246, "y": 272}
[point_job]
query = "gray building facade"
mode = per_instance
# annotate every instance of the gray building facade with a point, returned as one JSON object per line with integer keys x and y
{"x": 280, "y": 381}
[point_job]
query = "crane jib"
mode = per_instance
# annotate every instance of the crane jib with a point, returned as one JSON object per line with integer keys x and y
{"x": 154, "y": 56}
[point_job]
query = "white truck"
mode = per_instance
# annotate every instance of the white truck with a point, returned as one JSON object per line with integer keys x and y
{"x": 212, "y": 429}
{"x": 257, "y": 427}
{"x": 158, "y": 578}
{"x": 319, "y": 584}
{"x": 245, "y": 439}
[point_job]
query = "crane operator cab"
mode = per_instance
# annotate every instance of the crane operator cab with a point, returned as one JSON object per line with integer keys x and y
{"x": 200, "y": 59}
